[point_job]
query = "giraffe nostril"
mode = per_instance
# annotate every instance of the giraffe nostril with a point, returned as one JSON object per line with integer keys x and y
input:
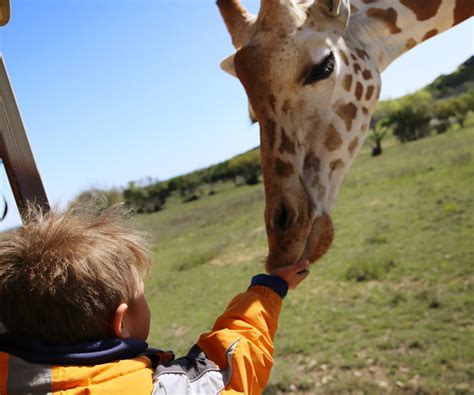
{"x": 282, "y": 218}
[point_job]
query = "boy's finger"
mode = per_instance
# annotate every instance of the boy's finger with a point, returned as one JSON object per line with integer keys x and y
{"x": 303, "y": 272}
{"x": 301, "y": 266}
{"x": 291, "y": 269}
{"x": 299, "y": 277}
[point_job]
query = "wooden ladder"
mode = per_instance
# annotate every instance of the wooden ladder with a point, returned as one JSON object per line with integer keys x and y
{"x": 15, "y": 151}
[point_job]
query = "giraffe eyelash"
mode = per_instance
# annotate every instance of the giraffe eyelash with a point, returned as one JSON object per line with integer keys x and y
{"x": 320, "y": 71}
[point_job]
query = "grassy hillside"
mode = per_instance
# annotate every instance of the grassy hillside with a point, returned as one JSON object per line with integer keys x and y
{"x": 455, "y": 83}
{"x": 390, "y": 307}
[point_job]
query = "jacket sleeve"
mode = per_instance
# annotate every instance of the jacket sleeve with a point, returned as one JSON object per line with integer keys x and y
{"x": 249, "y": 324}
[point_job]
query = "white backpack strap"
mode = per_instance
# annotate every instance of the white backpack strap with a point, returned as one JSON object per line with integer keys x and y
{"x": 192, "y": 375}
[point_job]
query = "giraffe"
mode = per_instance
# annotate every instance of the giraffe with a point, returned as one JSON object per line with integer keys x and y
{"x": 311, "y": 70}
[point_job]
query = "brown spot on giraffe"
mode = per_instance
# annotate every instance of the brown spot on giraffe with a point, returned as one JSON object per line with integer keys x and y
{"x": 283, "y": 169}
{"x": 286, "y": 144}
{"x": 354, "y": 9}
{"x": 332, "y": 138}
{"x": 311, "y": 162}
{"x": 344, "y": 57}
{"x": 361, "y": 53}
{"x": 347, "y": 82}
{"x": 423, "y": 9}
{"x": 366, "y": 74}
{"x": 269, "y": 130}
{"x": 370, "y": 92}
{"x": 336, "y": 164}
{"x": 430, "y": 34}
{"x": 359, "y": 91}
{"x": 348, "y": 112}
{"x": 357, "y": 68}
{"x": 464, "y": 9}
{"x": 369, "y": 1}
{"x": 365, "y": 110}
{"x": 352, "y": 146}
{"x": 410, "y": 43}
{"x": 354, "y": 58}
{"x": 286, "y": 106}
{"x": 388, "y": 16}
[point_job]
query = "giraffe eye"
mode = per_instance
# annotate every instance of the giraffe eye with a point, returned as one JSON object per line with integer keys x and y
{"x": 320, "y": 71}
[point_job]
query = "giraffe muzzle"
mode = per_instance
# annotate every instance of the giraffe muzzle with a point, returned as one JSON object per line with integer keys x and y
{"x": 320, "y": 238}
{"x": 294, "y": 236}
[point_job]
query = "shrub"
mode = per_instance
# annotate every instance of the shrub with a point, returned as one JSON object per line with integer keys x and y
{"x": 147, "y": 198}
{"x": 368, "y": 269}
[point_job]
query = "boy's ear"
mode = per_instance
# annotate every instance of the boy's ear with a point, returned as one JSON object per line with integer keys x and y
{"x": 118, "y": 328}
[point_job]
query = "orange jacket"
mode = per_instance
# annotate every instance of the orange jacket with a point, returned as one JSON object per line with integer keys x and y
{"x": 234, "y": 358}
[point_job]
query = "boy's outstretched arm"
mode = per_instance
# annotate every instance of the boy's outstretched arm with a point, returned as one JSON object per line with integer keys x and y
{"x": 241, "y": 340}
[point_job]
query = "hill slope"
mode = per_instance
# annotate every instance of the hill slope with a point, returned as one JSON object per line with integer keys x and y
{"x": 458, "y": 82}
{"x": 390, "y": 307}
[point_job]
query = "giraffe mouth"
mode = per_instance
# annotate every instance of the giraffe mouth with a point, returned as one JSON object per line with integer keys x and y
{"x": 294, "y": 248}
{"x": 319, "y": 239}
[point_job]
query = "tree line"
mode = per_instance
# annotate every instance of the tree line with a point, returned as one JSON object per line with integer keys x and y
{"x": 148, "y": 195}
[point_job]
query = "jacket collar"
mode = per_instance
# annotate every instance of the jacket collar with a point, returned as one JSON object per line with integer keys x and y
{"x": 36, "y": 350}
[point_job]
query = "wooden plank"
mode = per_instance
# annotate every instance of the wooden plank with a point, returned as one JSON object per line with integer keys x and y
{"x": 15, "y": 150}
{"x": 4, "y": 12}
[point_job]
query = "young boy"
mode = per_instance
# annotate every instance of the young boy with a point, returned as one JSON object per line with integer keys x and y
{"x": 72, "y": 301}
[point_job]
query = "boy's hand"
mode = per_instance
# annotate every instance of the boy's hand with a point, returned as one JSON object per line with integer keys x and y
{"x": 293, "y": 274}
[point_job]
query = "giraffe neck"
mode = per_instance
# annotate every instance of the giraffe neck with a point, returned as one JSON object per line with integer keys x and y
{"x": 387, "y": 28}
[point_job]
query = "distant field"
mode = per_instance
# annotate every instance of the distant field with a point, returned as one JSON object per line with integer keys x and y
{"x": 390, "y": 307}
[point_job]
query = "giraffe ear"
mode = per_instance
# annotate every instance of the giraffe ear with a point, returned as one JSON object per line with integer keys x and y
{"x": 228, "y": 65}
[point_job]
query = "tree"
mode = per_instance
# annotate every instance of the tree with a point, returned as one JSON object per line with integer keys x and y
{"x": 380, "y": 125}
{"x": 145, "y": 198}
{"x": 454, "y": 108}
{"x": 246, "y": 166}
{"x": 465, "y": 104}
{"x": 411, "y": 121}
{"x": 377, "y": 134}
{"x": 220, "y": 172}
{"x": 187, "y": 186}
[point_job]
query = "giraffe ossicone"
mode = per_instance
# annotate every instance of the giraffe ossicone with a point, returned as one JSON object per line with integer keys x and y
{"x": 311, "y": 71}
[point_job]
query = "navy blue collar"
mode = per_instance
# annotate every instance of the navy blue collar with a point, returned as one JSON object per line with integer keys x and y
{"x": 90, "y": 353}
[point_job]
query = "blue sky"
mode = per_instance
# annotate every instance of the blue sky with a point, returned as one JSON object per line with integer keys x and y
{"x": 116, "y": 90}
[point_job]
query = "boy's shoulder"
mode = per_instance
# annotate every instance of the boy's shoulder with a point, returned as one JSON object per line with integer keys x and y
{"x": 107, "y": 365}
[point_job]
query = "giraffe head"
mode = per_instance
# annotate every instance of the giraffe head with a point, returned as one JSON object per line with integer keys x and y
{"x": 312, "y": 89}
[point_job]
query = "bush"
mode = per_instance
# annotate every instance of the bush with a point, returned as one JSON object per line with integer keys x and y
{"x": 368, "y": 269}
{"x": 146, "y": 198}
{"x": 411, "y": 121}
{"x": 246, "y": 166}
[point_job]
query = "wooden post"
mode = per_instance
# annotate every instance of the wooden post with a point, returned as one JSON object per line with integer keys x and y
{"x": 4, "y": 12}
{"x": 15, "y": 150}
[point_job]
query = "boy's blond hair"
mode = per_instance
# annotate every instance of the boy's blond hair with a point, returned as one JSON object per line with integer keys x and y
{"x": 63, "y": 275}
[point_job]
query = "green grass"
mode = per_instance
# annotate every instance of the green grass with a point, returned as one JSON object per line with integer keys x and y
{"x": 390, "y": 307}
